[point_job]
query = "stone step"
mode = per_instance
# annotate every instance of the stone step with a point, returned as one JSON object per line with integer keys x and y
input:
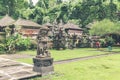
{"x": 12, "y": 70}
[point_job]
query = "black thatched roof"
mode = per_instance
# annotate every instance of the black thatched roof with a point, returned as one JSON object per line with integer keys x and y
{"x": 72, "y": 26}
{"x": 47, "y": 25}
{"x": 23, "y": 22}
{"x": 6, "y": 21}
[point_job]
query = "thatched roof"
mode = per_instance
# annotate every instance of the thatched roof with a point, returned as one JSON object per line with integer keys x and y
{"x": 6, "y": 21}
{"x": 23, "y": 22}
{"x": 47, "y": 25}
{"x": 89, "y": 26}
{"x": 72, "y": 26}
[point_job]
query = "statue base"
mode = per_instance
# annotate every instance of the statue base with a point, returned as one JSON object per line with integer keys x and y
{"x": 43, "y": 65}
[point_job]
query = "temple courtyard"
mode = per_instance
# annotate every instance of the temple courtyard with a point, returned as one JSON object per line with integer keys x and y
{"x": 84, "y": 64}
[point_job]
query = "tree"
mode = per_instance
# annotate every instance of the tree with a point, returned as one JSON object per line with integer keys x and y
{"x": 58, "y": 1}
{"x": 43, "y": 3}
{"x": 12, "y": 7}
{"x": 31, "y": 4}
{"x": 82, "y": 11}
{"x": 103, "y": 27}
{"x": 112, "y": 10}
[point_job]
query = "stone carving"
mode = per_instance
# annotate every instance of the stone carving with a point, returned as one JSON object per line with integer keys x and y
{"x": 43, "y": 62}
{"x": 37, "y": 63}
{"x": 59, "y": 37}
{"x": 42, "y": 40}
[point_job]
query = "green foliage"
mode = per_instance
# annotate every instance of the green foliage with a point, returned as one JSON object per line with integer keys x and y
{"x": 94, "y": 69}
{"x": 23, "y": 44}
{"x": 14, "y": 43}
{"x": 82, "y": 11}
{"x": 102, "y": 42}
{"x": 2, "y": 49}
{"x": 109, "y": 40}
{"x": 117, "y": 28}
{"x": 65, "y": 54}
{"x": 12, "y": 7}
{"x": 10, "y": 43}
{"x": 33, "y": 44}
{"x": 103, "y": 27}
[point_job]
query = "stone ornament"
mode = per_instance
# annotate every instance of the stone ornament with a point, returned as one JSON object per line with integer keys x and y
{"x": 42, "y": 40}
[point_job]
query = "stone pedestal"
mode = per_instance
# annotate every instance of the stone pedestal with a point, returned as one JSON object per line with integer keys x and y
{"x": 43, "y": 65}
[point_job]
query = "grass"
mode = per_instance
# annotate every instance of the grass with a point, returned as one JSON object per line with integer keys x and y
{"x": 67, "y": 54}
{"x": 63, "y": 54}
{"x": 25, "y": 60}
{"x": 106, "y": 68}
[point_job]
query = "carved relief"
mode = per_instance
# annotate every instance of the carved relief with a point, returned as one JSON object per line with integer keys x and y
{"x": 42, "y": 63}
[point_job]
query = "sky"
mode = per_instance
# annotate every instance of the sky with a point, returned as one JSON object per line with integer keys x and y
{"x": 35, "y": 1}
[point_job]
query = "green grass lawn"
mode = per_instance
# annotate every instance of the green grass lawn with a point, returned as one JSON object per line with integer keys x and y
{"x": 64, "y": 54}
{"x": 67, "y": 54}
{"x": 105, "y": 68}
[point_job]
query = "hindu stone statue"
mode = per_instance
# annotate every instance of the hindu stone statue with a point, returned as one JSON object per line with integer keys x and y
{"x": 42, "y": 40}
{"x": 43, "y": 63}
{"x": 59, "y": 37}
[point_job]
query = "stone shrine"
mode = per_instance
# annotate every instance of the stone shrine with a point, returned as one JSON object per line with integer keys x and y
{"x": 43, "y": 62}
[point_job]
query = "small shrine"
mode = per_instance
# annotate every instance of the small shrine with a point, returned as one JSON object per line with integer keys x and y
{"x": 72, "y": 29}
{"x": 6, "y": 27}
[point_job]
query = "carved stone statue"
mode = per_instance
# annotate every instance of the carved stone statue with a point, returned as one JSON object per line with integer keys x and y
{"x": 42, "y": 40}
{"x": 43, "y": 63}
{"x": 59, "y": 37}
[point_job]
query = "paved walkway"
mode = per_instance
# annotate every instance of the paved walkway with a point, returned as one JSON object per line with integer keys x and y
{"x": 12, "y": 70}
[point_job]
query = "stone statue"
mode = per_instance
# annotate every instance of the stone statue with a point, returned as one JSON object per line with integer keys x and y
{"x": 42, "y": 40}
{"x": 43, "y": 63}
{"x": 59, "y": 37}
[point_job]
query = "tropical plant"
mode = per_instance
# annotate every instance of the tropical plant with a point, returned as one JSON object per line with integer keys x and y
{"x": 16, "y": 42}
{"x": 102, "y": 27}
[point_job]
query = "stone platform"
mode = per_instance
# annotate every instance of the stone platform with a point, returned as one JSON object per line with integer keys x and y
{"x": 43, "y": 65}
{"x": 13, "y": 70}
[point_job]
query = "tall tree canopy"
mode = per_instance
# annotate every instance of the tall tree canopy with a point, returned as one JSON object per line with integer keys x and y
{"x": 81, "y": 11}
{"x": 13, "y": 7}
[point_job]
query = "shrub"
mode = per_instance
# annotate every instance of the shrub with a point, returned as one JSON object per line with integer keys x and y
{"x": 16, "y": 42}
{"x": 2, "y": 48}
{"x": 103, "y": 42}
{"x": 109, "y": 40}
{"x": 103, "y": 27}
{"x": 23, "y": 44}
{"x": 33, "y": 44}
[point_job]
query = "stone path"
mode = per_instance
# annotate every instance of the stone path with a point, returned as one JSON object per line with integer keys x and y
{"x": 12, "y": 70}
{"x": 16, "y": 56}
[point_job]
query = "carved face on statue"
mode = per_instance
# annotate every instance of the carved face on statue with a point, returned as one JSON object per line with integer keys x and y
{"x": 43, "y": 32}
